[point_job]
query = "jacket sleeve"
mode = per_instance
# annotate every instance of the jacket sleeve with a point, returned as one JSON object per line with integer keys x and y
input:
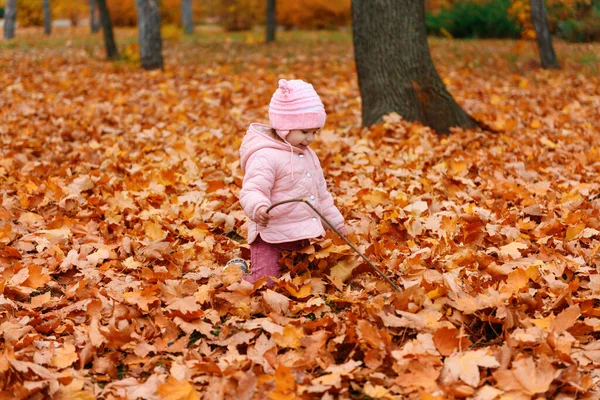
{"x": 328, "y": 208}
{"x": 258, "y": 182}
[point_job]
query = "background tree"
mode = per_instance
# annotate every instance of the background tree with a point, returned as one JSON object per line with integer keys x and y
{"x": 10, "y": 18}
{"x": 112, "y": 53}
{"x": 542, "y": 35}
{"x": 47, "y": 17}
{"x": 186, "y": 17}
{"x": 94, "y": 21}
{"x": 271, "y": 21}
{"x": 395, "y": 69}
{"x": 150, "y": 39}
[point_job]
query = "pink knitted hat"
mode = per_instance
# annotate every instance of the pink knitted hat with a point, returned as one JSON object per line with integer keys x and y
{"x": 295, "y": 105}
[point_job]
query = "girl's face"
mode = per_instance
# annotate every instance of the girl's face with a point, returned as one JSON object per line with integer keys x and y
{"x": 302, "y": 137}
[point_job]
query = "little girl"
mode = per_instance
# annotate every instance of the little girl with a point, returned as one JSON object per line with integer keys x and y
{"x": 278, "y": 165}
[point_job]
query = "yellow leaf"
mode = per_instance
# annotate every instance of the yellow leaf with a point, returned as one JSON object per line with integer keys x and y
{"x": 377, "y": 391}
{"x": 571, "y": 196}
{"x": 574, "y": 231}
{"x": 36, "y": 277}
{"x": 343, "y": 269}
{"x": 374, "y": 198}
{"x": 301, "y": 293}
{"x": 74, "y": 391}
{"x": 495, "y": 100}
{"x": 435, "y": 293}
{"x": 457, "y": 167}
{"x": 548, "y": 143}
{"x": 523, "y": 83}
{"x": 543, "y": 323}
{"x": 285, "y": 385}
{"x": 154, "y": 231}
{"x": 517, "y": 279}
{"x": 290, "y": 337}
{"x": 173, "y": 389}
{"x": 535, "y": 124}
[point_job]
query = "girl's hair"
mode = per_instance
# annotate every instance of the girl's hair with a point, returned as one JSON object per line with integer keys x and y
{"x": 273, "y": 134}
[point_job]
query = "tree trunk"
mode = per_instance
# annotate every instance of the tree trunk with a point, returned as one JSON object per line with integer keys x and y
{"x": 186, "y": 17}
{"x": 395, "y": 68}
{"x": 271, "y": 21}
{"x": 542, "y": 35}
{"x": 112, "y": 53}
{"x": 149, "y": 34}
{"x": 47, "y": 18}
{"x": 10, "y": 18}
{"x": 94, "y": 23}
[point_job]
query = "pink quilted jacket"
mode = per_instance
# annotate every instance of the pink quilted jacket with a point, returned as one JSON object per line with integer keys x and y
{"x": 275, "y": 171}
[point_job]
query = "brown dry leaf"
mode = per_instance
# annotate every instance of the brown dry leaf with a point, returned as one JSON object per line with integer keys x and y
{"x": 40, "y": 300}
{"x": 419, "y": 374}
{"x": 276, "y": 302}
{"x": 465, "y": 366}
{"x": 370, "y": 334}
{"x": 64, "y": 356}
{"x": 526, "y": 376}
{"x": 565, "y": 319}
{"x": 74, "y": 391}
{"x": 13, "y": 331}
{"x": 512, "y": 250}
{"x": 120, "y": 205}
{"x": 446, "y": 341}
{"x": 334, "y": 374}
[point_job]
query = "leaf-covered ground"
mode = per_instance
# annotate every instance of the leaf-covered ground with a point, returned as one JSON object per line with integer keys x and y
{"x": 118, "y": 192}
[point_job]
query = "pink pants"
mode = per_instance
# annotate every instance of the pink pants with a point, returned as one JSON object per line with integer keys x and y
{"x": 265, "y": 257}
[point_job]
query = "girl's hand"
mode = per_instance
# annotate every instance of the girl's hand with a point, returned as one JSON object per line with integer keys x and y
{"x": 261, "y": 217}
{"x": 344, "y": 230}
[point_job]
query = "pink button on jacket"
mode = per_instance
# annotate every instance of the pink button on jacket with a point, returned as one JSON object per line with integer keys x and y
{"x": 267, "y": 165}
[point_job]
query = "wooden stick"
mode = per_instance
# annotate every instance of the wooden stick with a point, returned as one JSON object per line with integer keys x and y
{"x": 299, "y": 200}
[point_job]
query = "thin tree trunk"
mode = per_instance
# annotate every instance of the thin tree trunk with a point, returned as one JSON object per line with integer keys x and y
{"x": 112, "y": 53}
{"x": 149, "y": 34}
{"x": 395, "y": 68}
{"x": 10, "y": 18}
{"x": 47, "y": 18}
{"x": 542, "y": 35}
{"x": 94, "y": 23}
{"x": 186, "y": 17}
{"x": 271, "y": 21}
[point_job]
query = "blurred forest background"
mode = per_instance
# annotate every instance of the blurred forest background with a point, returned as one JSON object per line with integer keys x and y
{"x": 571, "y": 20}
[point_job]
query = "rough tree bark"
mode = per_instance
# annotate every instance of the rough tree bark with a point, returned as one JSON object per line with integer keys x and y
{"x": 186, "y": 17}
{"x": 149, "y": 34}
{"x": 395, "y": 68}
{"x": 271, "y": 21}
{"x": 112, "y": 53}
{"x": 542, "y": 34}
{"x": 94, "y": 23}
{"x": 47, "y": 17}
{"x": 10, "y": 18}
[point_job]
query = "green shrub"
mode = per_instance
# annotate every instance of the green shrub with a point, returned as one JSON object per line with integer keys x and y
{"x": 1, "y": 12}
{"x": 474, "y": 20}
{"x": 586, "y": 29}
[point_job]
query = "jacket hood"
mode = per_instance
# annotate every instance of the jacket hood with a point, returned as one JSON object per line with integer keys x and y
{"x": 257, "y": 137}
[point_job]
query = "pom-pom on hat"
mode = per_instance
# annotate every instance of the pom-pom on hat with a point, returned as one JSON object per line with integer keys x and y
{"x": 295, "y": 105}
